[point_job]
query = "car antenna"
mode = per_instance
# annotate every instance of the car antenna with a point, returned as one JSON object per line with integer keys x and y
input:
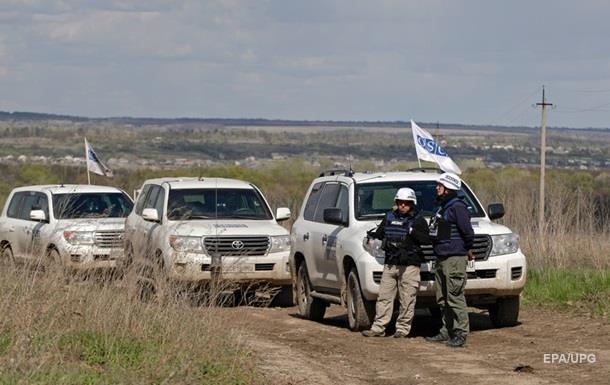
{"x": 349, "y": 154}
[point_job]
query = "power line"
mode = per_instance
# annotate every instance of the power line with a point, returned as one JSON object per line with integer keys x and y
{"x": 511, "y": 110}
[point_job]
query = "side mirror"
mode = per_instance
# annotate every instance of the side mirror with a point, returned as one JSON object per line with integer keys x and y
{"x": 38, "y": 216}
{"x": 282, "y": 214}
{"x": 495, "y": 211}
{"x": 334, "y": 215}
{"x": 150, "y": 214}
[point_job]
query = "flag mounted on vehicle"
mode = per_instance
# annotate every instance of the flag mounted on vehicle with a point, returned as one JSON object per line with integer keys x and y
{"x": 94, "y": 164}
{"x": 428, "y": 150}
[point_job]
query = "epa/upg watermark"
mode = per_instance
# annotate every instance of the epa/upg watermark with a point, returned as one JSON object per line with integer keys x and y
{"x": 569, "y": 358}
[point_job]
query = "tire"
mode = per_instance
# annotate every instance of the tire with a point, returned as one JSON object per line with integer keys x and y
{"x": 284, "y": 297}
{"x": 505, "y": 312}
{"x": 360, "y": 312}
{"x": 144, "y": 281}
{"x": 435, "y": 311}
{"x": 54, "y": 265}
{"x": 8, "y": 259}
{"x": 309, "y": 307}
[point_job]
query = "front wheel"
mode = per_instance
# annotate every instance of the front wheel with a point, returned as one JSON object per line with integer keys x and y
{"x": 360, "y": 312}
{"x": 505, "y": 312}
{"x": 309, "y": 307}
{"x": 7, "y": 256}
{"x": 283, "y": 298}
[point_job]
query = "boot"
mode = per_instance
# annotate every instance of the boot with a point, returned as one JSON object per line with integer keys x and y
{"x": 457, "y": 341}
{"x": 372, "y": 333}
{"x": 437, "y": 338}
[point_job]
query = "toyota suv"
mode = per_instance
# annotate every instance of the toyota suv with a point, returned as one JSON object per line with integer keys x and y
{"x": 333, "y": 261}
{"x": 78, "y": 227}
{"x": 195, "y": 230}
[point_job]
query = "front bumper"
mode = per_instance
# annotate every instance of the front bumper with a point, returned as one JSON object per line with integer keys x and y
{"x": 85, "y": 257}
{"x": 272, "y": 268}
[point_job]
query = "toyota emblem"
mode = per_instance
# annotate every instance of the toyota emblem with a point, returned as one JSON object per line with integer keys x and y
{"x": 237, "y": 245}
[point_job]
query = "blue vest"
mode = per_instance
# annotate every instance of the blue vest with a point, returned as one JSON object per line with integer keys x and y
{"x": 441, "y": 229}
{"x": 397, "y": 228}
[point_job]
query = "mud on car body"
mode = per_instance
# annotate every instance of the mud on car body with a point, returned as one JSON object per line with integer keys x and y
{"x": 191, "y": 228}
{"x": 76, "y": 226}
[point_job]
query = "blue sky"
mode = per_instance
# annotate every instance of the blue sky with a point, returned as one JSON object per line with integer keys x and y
{"x": 468, "y": 62}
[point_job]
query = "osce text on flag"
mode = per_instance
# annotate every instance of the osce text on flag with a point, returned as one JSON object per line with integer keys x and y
{"x": 431, "y": 146}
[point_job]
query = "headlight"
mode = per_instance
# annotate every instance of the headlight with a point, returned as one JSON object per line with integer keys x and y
{"x": 79, "y": 237}
{"x": 373, "y": 247}
{"x": 185, "y": 244}
{"x": 279, "y": 243}
{"x": 504, "y": 244}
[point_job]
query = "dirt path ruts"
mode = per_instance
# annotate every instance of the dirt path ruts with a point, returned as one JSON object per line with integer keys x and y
{"x": 292, "y": 350}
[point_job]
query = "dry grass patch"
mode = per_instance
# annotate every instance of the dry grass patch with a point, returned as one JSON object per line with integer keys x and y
{"x": 90, "y": 331}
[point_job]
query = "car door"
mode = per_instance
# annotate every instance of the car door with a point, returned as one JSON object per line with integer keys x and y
{"x": 324, "y": 239}
{"x": 133, "y": 223}
{"x": 12, "y": 222}
{"x": 147, "y": 229}
{"x": 29, "y": 234}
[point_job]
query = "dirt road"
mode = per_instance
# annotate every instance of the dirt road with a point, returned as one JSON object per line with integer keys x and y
{"x": 545, "y": 348}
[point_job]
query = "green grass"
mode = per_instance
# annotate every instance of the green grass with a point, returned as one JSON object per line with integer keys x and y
{"x": 93, "y": 333}
{"x": 570, "y": 289}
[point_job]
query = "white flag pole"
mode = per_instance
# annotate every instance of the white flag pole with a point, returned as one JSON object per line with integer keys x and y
{"x": 87, "y": 161}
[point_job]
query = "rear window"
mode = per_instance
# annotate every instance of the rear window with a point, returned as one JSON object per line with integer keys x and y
{"x": 91, "y": 205}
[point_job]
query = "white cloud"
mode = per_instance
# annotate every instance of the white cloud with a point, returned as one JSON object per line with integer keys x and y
{"x": 319, "y": 59}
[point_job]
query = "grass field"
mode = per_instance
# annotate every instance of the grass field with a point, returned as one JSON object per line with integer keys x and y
{"x": 92, "y": 332}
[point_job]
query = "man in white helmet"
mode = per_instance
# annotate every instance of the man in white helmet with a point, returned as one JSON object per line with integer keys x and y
{"x": 452, "y": 238}
{"x": 402, "y": 230}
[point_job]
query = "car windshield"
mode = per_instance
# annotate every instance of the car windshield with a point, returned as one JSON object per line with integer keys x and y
{"x": 91, "y": 205}
{"x": 373, "y": 200}
{"x": 221, "y": 203}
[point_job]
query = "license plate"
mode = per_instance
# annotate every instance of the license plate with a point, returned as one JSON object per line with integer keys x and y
{"x": 470, "y": 266}
{"x": 238, "y": 268}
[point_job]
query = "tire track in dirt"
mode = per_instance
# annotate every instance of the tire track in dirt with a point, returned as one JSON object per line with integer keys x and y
{"x": 292, "y": 350}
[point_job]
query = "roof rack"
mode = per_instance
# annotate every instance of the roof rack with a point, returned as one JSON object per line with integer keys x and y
{"x": 338, "y": 171}
{"x": 425, "y": 169}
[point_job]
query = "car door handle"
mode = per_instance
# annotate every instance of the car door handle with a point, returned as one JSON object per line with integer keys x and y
{"x": 305, "y": 236}
{"x": 11, "y": 229}
{"x": 324, "y": 239}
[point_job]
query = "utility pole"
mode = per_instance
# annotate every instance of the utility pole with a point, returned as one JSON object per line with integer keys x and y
{"x": 544, "y": 104}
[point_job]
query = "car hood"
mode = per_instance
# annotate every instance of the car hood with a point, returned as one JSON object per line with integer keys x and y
{"x": 198, "y": 228}
{"x": 91, "y": 224}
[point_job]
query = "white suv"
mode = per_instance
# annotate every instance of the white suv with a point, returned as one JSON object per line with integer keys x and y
{"x": 189, "y": 228}
{"x": 77, "y": 226}
{"x": 332, "y": 262}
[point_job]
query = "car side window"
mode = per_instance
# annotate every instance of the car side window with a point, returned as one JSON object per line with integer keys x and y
{"x": 312, "y": 201}
{"x": 13, "y": 207}
{"x": 160, "y": 201}
{"x": 343, "y": 202}
{"x": 142, "y": 199}
{"x": 33, "y": 201}
{"x": 151, "y": 198}
{"x": 328, "y": 199}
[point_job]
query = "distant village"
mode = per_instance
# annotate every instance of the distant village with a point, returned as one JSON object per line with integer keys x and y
{"x": 490, "y": 156}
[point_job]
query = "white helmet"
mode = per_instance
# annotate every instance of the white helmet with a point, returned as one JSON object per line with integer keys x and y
{"x": 450, "y": 181}
{"x": 406, "y": 194}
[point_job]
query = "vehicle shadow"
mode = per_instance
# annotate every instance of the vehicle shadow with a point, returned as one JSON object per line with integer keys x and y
{"x": 424, "y": 323}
